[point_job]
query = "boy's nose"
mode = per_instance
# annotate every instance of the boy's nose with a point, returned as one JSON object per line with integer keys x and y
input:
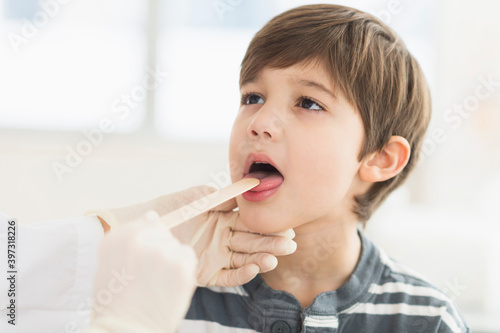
{"x": 266, "y": 125}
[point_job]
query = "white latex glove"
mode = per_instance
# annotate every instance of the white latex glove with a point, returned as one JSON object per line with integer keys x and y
{"x": 145, "y": 280}
{"x": 229, "y": 254}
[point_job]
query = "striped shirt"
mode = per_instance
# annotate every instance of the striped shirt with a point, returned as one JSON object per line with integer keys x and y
{"x": 380, "y": 296}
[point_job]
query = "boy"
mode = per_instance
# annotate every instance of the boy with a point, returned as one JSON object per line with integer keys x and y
{"x": 333, "y": 113}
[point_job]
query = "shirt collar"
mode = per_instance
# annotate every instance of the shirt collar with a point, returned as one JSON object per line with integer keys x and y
{"x": 367, "y": 270}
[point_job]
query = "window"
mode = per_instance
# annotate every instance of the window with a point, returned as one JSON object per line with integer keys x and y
{"x": 67, "y": 64}
{"x": 202, "y": 43}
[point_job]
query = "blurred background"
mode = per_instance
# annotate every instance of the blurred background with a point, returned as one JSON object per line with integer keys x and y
{"x": 105, "y": 103}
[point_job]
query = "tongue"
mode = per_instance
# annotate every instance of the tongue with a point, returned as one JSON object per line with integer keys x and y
{"x": 268, "y": 180}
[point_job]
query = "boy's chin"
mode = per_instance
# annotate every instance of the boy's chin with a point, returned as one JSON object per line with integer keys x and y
{"x": 260, "y": 224}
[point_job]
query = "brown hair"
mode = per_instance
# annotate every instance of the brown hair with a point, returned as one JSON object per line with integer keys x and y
{"x": 370, "y": 66}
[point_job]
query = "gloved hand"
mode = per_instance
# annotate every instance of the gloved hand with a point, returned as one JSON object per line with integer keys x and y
{"x": 145, "y": 280}
{"x": 229, "y": 254}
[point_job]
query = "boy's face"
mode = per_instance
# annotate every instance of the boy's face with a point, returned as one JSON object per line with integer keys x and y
{"x": 291, "y": 119}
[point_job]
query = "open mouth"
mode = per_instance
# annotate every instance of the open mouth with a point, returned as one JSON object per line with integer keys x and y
{"x": 270, "y": 180}
{"x": 261, "y": 170}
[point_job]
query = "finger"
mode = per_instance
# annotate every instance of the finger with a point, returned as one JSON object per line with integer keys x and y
{"x": 247, "y": 242}
{"x": 151, "y": 217}
{"x": 154, "y": 236}
{"x": 236, "y": 277}
{"x": 287, "y": 234}
{"x": 265, "y": 261}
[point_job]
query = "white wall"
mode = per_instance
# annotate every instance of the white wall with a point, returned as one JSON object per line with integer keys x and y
{"x": 118, "y": 171}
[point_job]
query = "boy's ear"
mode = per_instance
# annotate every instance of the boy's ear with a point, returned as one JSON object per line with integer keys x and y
{"x": 387, "y": 163}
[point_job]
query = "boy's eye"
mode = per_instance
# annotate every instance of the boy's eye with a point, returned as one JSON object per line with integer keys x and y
{"x": 309, "y": 104}
{"x": 252, "y": 99}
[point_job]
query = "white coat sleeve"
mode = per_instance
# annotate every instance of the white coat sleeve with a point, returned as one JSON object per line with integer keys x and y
{"x": 55, "y": 266}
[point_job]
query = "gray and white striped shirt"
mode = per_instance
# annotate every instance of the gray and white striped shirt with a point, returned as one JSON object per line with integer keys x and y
{"x": 380, "y": 296}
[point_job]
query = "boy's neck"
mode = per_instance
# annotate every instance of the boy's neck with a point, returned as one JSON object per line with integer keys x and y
{"x": 324, "y": 260}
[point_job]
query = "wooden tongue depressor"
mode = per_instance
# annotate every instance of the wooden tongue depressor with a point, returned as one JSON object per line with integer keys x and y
{"x": 208, "y": 202}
